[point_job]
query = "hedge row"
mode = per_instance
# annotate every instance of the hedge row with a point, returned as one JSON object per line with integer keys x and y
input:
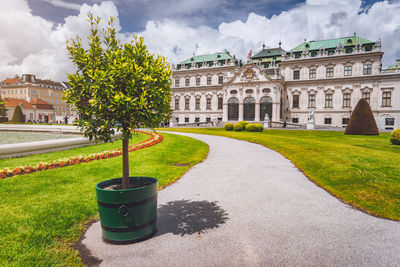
{"x": 244, "y": 125}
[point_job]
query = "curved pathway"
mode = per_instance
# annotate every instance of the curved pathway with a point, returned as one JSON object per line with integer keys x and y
{"x": 247, "y": 205}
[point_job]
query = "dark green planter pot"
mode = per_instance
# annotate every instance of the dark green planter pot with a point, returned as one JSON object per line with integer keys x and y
{"x": 128, "y": 215}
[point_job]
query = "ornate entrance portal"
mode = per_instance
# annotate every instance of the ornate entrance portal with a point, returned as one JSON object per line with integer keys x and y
{"x": 265, "y": 107}
{"x": 233, "y": 109}
{"x": 249, "y": 109}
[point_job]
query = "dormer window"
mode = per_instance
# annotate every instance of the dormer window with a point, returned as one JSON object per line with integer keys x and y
{"x": 368, "y": 47}
{"x": 349, "y": 41}
{"x": 307, "y": 46}
{"x": 331, "y": 52}
{"x": 349, "y": 50}
{"x": 314, "y": 53}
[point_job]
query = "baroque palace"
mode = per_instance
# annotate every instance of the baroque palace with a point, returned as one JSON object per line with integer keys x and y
{"x": 327, "y": 77}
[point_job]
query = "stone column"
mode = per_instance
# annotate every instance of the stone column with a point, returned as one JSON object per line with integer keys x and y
{"x": 257, "y": 116}
{"x": 225, "y": 111}
{"x": 240, "y": 111}
{"x": 275, "y": 112}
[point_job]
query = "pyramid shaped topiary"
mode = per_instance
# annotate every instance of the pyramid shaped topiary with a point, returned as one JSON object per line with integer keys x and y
{"x": 17, "y": 116}
{"x": 362, "y": 121}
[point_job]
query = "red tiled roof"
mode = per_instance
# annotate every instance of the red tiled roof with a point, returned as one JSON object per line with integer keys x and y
{"x": 11, "y": 81}
{"x": 13, "y": 102}
{"x": 41, "y": 104}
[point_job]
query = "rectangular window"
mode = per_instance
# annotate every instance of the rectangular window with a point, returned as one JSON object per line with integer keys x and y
{"x": 313, "y": 73}
{"x": 176, "y": 103}
{"x": 346, "y": 100}
{"x": 187, "y": 82}
{"x": 295, "y": 120}
{"x": 208, "y": 119}
{"x": 198, "y": 103}
{"x": 386, "y": 99}
{"x": 345, "y": 120}
{"x": 296, "y": 101}
{"x": 197, "y": 119}
{"x": 177, "y": 119}
{"x": 328, "y": 121}
{"x": 329, "y": 72}
{"x": 187, "y": 103}
{"x": 208, "y": 104}
{"x": 220, "y": 79}
{"x": 176, "y": 82}
{"x": 366, "y": 96}
{"x": 367, "y": 69}
{"x": 296, "y": 75}
{"x": 311, "y": 101}
{"x": 187, "y": 119}
{"x": 197, "y": 81}
{"x": 328, "y": 100}
{"x": 389, "y": 121}
{"x": 209, "y": 80}
{"x": 220, "y": 102}
{"x": 347, "y": 71}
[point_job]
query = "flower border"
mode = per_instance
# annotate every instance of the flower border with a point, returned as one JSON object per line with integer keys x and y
{"x": 153, "y": 140}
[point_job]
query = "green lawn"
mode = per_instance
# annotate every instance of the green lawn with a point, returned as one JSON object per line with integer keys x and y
{"x": 84, "y": 151}
{"x": 364, "y": 171}
{"x": 42, "y": 214}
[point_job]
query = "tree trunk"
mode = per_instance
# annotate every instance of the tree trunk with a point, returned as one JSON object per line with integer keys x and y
{"x": 125, "y": 163}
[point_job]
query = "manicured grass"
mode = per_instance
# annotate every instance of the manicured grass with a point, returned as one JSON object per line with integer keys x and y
{"x": 364, "y": 171}
{"x": 42, "y": 214}
{"x": 84, "y": 151}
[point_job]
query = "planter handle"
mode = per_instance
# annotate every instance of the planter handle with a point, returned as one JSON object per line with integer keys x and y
{"x": 123, "y": 210}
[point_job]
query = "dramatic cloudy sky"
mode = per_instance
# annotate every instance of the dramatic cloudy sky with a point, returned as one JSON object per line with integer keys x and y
{"x": 33, "y": 32}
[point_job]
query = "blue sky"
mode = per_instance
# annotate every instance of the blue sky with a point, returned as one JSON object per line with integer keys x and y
{"x": 134, "y": 14}
{"x": 177, "y": 29}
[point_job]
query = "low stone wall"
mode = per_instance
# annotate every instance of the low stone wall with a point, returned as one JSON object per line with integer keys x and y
{"x": 37, "y": 147}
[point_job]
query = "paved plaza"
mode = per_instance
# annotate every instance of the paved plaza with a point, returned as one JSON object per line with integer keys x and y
{"x": 247, "y": 205}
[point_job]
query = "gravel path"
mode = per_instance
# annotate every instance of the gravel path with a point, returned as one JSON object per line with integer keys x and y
{"x": 246, "y": 205}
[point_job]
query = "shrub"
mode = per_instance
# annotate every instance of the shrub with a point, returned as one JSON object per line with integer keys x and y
{"x": 17, "y": 115}
{"x": 260, "y": 127}
{"x": 228, "y": 127}
{"x": 243, "y": 123}
{"x": 251, "y": 127}
{"x": 395, "y": 137}
{"x": 362, "y": 121}
{"x": 238, "y": 127}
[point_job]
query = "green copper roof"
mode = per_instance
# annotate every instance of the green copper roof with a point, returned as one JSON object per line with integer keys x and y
{"x": 331, "y": 43}
{"x": 268, "y": 52}
{"x": 208, "y": 57}
{"x": 395, "y": 65}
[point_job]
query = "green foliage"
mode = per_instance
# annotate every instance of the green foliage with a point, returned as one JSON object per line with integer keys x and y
{"x": 3, "y": 110}
{"x": 17, "y": 116}
{"x": 238, "y": 127}
{"x": 395, "y": 137}
{"x": 251, "y": 127}
{"x": 260, "y": 127}
{"x": 228, "y": 126}
{"x": 116, "y": 86}
{"x": 243, "y": 123}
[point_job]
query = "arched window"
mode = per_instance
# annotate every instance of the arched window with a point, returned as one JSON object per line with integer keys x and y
{"x": 249, "y": 109}
{"x": 233, "y": 109}
{"x": 265, "y": 107}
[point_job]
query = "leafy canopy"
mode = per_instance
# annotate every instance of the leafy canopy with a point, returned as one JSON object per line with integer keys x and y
{"x": 3, "y": 110}
{"x": 116, "y": 86}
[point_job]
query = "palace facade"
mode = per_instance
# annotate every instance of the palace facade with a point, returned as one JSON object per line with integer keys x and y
{"x": 327, "y": 77}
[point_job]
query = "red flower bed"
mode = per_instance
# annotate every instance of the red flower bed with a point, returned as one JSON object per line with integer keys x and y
{"x": 155, "y": 138}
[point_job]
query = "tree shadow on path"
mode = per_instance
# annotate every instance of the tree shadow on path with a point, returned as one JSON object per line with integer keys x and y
{"x": 189, "y": 217}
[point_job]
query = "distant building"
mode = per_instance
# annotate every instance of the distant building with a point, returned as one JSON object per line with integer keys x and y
{"x": 36, "y": 110}
{"x": 28, "y": 88}
{"x": 326, "y": 76}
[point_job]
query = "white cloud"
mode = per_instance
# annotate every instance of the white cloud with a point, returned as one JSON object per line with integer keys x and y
{"x": 31, "y": 44}
{"x": 64, "y": 4}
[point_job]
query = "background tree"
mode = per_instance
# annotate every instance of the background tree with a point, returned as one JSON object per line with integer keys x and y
{"x": 17, "y": 116}
{"x": 3, "y": 110}
{"x": 117, "y": 86}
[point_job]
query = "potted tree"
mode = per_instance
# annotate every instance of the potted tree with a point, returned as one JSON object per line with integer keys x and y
{"x": 120, "y": 87}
